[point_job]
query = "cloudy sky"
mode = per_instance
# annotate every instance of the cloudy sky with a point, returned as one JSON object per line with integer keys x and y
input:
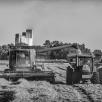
{"x": 64, "y": 20}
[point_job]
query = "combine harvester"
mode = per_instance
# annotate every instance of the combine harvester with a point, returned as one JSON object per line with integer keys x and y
{"x": 22, "y": 62}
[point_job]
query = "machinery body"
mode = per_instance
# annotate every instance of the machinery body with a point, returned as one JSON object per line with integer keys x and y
{"x": 22, "y": 64}
{"x": 77, "y": 72}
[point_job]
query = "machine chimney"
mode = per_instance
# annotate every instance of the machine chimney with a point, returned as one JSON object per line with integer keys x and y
{"x": 17, "y": 38}
{"x": 23, "y": 38}
{"x": 24, "y": 34}
{"x": 29, "y": 37}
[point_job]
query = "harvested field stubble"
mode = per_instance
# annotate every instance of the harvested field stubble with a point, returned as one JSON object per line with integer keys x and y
{"x": 59, "y": 69}
{"x": 37, "y": 91}
{"x": 94, "y": 91}
{"x": 67, "y": 93}
{"x": 42, "y": 91}
{"x": 4, "y": 82}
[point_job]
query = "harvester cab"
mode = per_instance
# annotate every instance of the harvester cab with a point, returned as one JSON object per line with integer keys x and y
{"x": 83, "y": 69}
{"x": 21, "y": 59}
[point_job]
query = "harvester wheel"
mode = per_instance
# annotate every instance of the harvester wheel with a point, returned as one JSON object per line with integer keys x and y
{"x": 69, "y": 74}
{"x": 7, "y": 70}
{"x": 95, "y": 78}
{"x": 52, "y": 80}
{"x": 76, "y": 77}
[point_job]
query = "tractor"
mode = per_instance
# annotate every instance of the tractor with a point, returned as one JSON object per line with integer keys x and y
{"x": 78, "y": 73}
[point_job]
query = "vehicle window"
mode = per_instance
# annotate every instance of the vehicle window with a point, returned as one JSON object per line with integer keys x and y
{"x": 23, "y": 58}
{"x": 86, "y": 61}
{"x": 12, "y": 58}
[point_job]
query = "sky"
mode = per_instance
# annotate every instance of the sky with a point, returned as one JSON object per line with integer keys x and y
{"x": 72, "y": 21}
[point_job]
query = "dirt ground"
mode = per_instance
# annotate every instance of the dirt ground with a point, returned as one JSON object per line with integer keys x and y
{"x": 42, "y": 91}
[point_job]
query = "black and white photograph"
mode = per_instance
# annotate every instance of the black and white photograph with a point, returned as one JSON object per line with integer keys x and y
{"x": 50, "y": 50}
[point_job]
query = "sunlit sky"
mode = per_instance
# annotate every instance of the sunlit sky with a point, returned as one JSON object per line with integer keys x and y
{"x": 64, "y": 20}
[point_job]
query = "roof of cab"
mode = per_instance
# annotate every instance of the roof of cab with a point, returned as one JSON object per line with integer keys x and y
{"x": 81, "y": 55}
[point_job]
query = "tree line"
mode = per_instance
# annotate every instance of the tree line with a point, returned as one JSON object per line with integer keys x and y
{"x": 4, "y": 49}
{"x": 56, "y": 54}
{"x": 62, "y": 54}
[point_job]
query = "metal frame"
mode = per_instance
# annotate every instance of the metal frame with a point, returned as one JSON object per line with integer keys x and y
{"x": 77, "y": 56}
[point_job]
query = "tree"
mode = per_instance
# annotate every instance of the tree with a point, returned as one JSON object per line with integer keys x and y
{"x": 98, "y": 54}
{"x": 4, "y": 49}
{"x": 47, "y": 43}
{"x": 55, "y": 43}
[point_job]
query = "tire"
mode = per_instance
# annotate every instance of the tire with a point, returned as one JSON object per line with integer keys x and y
{"x": 100, "y": 75}
{"x": 76, "y": 77}
{"x": 95, "y": 78}
{"x": 52, "y": 81}
{"x": 7, "y": 70}
{"x": 69, "y": 73}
